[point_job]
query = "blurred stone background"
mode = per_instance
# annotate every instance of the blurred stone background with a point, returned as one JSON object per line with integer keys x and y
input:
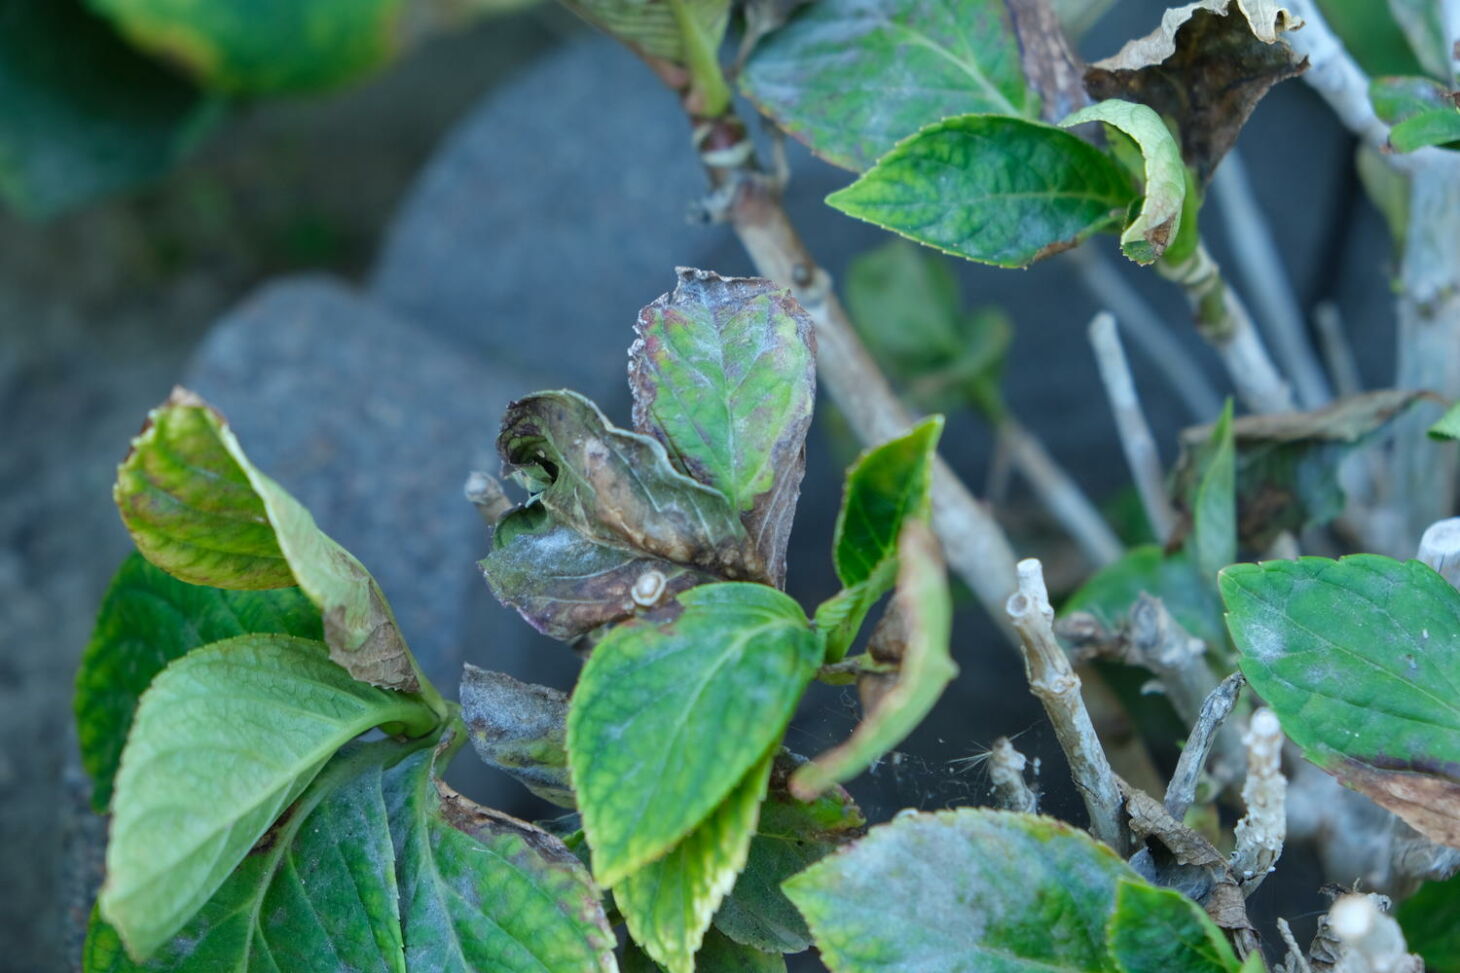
{"x": 362, "y": 281}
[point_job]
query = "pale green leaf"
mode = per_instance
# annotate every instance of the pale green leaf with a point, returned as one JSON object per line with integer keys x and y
{"x": 674, "y": 709}
{"x": 1358, "y": 658}
{"x": 724, "y": 376}
{"x": 223, "y": 741}
{"x": 1159, "y": 221}
{"x": 998, "y": 190}
{"x": 966, "y": 891}
{"x": 652, "y": 28}
{"x": 668, "y": 904}
{"x": 922, "y": 620}
{"x": 1448, "y": 425}
{"x": 1440, "y": 127}
{"x": 1161, "y": 929}
{"x": 619, "y": 488}
{"x": 1425, "y": 27}
{"x": 147, "y": 620}
{"x": 197, "y": 508}
{"x": 851, "y": 78}
{"x": 1214, "y": 508}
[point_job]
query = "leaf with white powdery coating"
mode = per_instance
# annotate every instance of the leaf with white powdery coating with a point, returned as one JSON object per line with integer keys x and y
{"x": 998, "y": 190}
{"x": 520, "y": 729}
{"x": 914, "y": 643}
{"x": 223, "y": 741}
{"x": 674, "y": 709}
{"x": 887, "y": 486}
{"x": 1159, "y": 219}
{"x": 1161, "y": 929}
{"x": 724, "y": 375}
{"x": 197, "y": 508}
{"x": 1360, "y": 659}
{"x": 619, "y": 488}
{"x": 964, "y": 891}
{"x": 147, "y": 620}
{"x": 852, "y": 77}
{"x": 668, "y": 904}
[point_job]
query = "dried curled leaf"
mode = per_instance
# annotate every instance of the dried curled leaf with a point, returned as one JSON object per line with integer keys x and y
{"x": 1205, "y": 68}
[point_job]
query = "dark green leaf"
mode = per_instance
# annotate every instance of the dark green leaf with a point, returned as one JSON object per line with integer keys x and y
{"x": 1368, "y": 31}
{"x": 913, "y": 643}
{"x": 721, "y": 954}
{"x": 566, "y": 585}
{"x": 147, "y": 620}
{"x": 852, "y": 77}
{"x": 1204, "y": 70}
{"x": 724, "y": 376}
{"x": 257, "y": 47}
{"x": 791, "y": 835}
{"x": 1431, "y": 922}
{"x": 668, "y": 904}
{"x": 223, "y": 741}
{"x": 1424, "y": 26}
{"x": 674, "y": 709}
{"x": 1287, "y": 463}
{"x": 520, "y": 729}
{"x": 1161, "y": 929}
{"x": 998, "y": 190}
{"x": 197, "y": 508}
{"x": 887, "y": 486}
{"x": 619, "y": 488}
{"x": 1359, "y": 660}
{"x": 964, "y": 891}
{"x": 85, "y": 114}
{"x": 375, "y": 869}
{"x": 1164, "y": 175}
{"x": 1109, "y": 594}
{"x": 1214, "y": 508}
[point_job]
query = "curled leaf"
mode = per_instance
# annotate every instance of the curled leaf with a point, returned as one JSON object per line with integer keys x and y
{"x": 520, "y": 729}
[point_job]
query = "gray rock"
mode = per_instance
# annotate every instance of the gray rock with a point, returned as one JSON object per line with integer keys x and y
{"x": 373, "y": 424}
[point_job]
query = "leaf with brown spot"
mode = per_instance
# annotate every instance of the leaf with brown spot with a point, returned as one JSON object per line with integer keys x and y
{"x": 1287, "y": 462}
{"x": 1205, "y": 68}
{"x": 618, "y": 488}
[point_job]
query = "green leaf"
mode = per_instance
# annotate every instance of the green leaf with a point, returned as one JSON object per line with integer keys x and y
{"x": 964, "y": 891}
{"x": 1214, "y": 508}
{"x": 887, "y": 486}
{"x": 356, "y": 875}
{"x": 673, "y": 710}
{"x": 1369, "y": 31}
{"x": 1159, "y": 220}
{"x": 85, "y": 114}
{"x": 147, "y": 620}
{"x": 1111, "y": 591}
{"x": 1424, "y": 26}
{"x": 618, "y": 488}
{"x": 567, "y": 586}
{"x": 1448, "y": 425}
{"x": 721, "y": 954}
{"x": 520, "y": 729}
{"x": 668, "y": 904}
{"x": 850, "y": 78}
{"x": 1440, "y": 127}
{"x": 197, "y": 508}
{"x": 652, "y": 28}
{"x": 261, "y": 47}
{"x": 724, "y": 376}
{"x": 792, "y": 835}
{"x": 1398, "y": 98}
{"x": 223, "y": 741}
{"x": 998, "y": 190}
{"x": 1161, "y": 929}
{"x": 1358, "y": 658}
{"x": 1431, "y": 922}
{"x": 905, "y": 304}
{"x": 914, "y": 640}
{"x": 1287, "y": 462}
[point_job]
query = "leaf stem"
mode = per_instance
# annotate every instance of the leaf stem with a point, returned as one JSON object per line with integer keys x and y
{"x": 1053, "y": 680}
{"x": 1135, "y": 435}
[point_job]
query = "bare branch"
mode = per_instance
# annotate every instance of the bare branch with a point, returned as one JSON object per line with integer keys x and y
{"x": 1440, "y": 549}
{"x": 1130, "y": 421}
{"x": 1223, "y": 321}
{"x": 1053, "y": 680}
{"x": 1261, "y": 266}
{"x": 484, "y": 492}
{"x": 1149, "y": 333}
{"x": 1060, "y": 494}
{"x": 1371, "y": 941}
{"x": 1262, "y": 830}
{"x": 1295, "y": 962}
{"x": 1334, "y": 75}
{"x": 1006, "y": 774}
{"x": 1338, "y": 354}
{"x": 1181, "y": 792}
